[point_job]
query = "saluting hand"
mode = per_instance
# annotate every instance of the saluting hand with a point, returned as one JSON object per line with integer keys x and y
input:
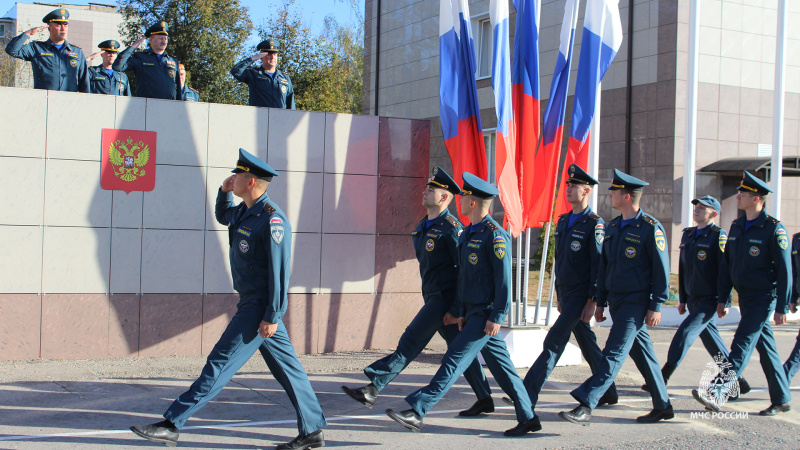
{"x": 35, "y": 30}
{"x": 227, "y": 185}
{"x": 93, "y": 55}
{"x": 681, "y": 308}
{"x": 722, "y": 311}
{"x": 267, "y": 329}
{"x": 139, "y": 42}
{"x": 258, "y": 56}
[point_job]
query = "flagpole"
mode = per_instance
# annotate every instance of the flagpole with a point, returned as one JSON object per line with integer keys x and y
{"x": 527, "y": 274}
{"x": 776, "y": 171}
{"x": 518, "y": 306}
{"x": 542, "y": 272}
{"x": 690, "y": 149}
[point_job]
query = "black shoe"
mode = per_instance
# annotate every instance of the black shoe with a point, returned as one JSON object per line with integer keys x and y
{"x": 523, "y": 428}
{"x": 581, "y": 415}
{"x": 775, "y": 409}
{"x": 509, "y": 401}
{"x": 713, "y": 407}
{"x": 485, "y": 405}
{"x": 164, "y": 432}
{"x": 408, "y": 418}
{"x": 645, "y": 388}
{"x": 366, "y": 395}
{"x": 313, "y": 440}
{"x": 608, "y": 399}
{"x": 656, "y": 415}
{"x": 744, "y": 386}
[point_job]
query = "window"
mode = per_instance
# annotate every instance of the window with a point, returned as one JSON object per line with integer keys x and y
{"x": 490, "y": 142}
{"x": 482, "y": 36}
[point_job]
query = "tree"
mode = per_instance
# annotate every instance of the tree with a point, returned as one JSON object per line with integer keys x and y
{"x": 326, "y": 70}
{"x": 207, "y": 36}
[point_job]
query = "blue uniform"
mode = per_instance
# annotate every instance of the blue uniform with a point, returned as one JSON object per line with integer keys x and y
{"x": 101, "y": 83}
{"x": 698, "y": 273}
{"x": 260, "y": 243}
{"x": 792, "y": 364}
{"x": 265, "y": 90}
{"x": 577, "y": 249}
{"x": 436, "y": 251}
{"x": 757, "y": 263}
{"x": 63, "y": 70}
{"x": 484, "y": 295}
{"x": 190, "y": 95}
{"x": 154, "y": 78}
{"x": 632, "y": 279}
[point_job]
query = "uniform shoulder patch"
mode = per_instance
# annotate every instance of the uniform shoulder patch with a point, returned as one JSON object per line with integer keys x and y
{"x": 650, "y": 220}
{"x": 594, "y": 216}
{"x": 491, "y": 226}
{"x": 687, "y": 229}
{"x": 773, "y": 220}
{"x": 455, "y": 223}
{"x": 269, "y": 208}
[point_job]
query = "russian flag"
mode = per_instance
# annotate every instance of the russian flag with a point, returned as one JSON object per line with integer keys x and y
{"x": 602, "y": 37}
{"x": 525, "y": 98}
{"x": 505, "y": 153}
{"x": 459, "y": 110}
{"x": 546, "y": 159}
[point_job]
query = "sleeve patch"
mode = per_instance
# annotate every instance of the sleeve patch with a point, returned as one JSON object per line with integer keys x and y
{"x": 599, "y": 233}
{"x": 661, "y": 241}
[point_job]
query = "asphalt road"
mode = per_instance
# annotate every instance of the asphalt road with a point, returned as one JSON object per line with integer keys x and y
{"x": 90, "y": 404}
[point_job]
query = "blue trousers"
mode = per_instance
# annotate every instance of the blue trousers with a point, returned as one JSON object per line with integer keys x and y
{"x": 792, "y": 364}
{"x": 628, "y": 335}
{"x": 461, "y": 353}
{"x": 238, "y": 343}
{"x": 417, "y": 335}
{"x": 755, "y": 332}
{"x": 569, "y": 321}
{"x": 700, "y": 322}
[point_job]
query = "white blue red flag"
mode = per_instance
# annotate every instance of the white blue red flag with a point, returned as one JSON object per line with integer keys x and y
{"x": 525, "y": 97}
{"x": 458, "y": 93}
{"x": 505, "y": 152}
{"x": 602, "y": 37}
{"x": 546, "y": 159}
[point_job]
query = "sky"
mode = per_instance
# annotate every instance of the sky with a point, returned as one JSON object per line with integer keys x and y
{"x": 313, "y": 11}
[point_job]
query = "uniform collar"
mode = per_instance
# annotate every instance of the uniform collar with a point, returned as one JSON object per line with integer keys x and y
{"x": 258, "y": 207}
{"x": 757, "y": 222}
{"x": 65, "y": 47}
{"x": 163, "y": 55}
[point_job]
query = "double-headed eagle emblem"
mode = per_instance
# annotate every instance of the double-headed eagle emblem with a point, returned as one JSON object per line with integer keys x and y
{"x": 719, "y": 383}
{"x": 129, "y": 156}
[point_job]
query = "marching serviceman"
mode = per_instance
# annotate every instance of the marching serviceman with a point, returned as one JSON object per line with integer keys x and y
{"x": 633, "y": 281}
{"x": 104, "y": 79}
{"x": 156, "y": 71}
{"x": 435, "y": 240}
{"x": 579, "y": 241}
{"x": 484, "y": 298}
{"x": 757, "y": 263}
{"x": 268, "y": 86}
{"x": 57, "y": 65}
{"x": 260, "y": 239}
{"x": 698, "y": 272}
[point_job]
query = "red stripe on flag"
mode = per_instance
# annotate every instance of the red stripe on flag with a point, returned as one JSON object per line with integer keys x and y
{"x": 467, "y": 154}
{"x": 507, "y": 183}
{"x": 546, "y": 176}
{"x": 577, "y": 153}
{"x": 527, "y": 112}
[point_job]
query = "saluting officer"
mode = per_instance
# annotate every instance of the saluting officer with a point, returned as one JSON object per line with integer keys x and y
{"x": 484, "y": 298}
{"x": 579, "y": 241}
{"x": 57, "y": 65}
{"x": 188, "y": 94}
{"x": 757, "y": 263}
{"x": 435, "y": 240}
{"x": 698, "y": 272}
{"x": 268, "y": 86}
{"x": 792, "y": 364}
{"x": 632, "y": 281}
{"x": 260, "y": 239}
{"x": 104, "y": 79}
{"x": 156, "y": 71}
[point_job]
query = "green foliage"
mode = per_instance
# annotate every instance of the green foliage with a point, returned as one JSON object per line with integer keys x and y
{"x": 207, "y": 36}
{"x": 326, "y": 70}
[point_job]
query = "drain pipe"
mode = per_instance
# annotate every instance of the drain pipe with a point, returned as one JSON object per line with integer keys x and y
{"x": 628, "y": 112}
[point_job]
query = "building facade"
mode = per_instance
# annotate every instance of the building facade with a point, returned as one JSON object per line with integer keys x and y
{"x": 644, "y": 93}
{"x": 89, "y": 25}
